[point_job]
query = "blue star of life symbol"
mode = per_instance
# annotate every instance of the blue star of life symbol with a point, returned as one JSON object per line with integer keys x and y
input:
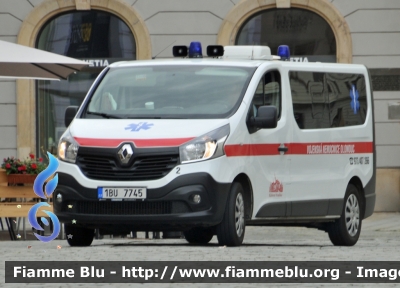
{"x": 137, "y": 127}
{"x": 354, "y": 104}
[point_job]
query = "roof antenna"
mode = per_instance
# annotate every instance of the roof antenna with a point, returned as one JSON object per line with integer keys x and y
{"x": 163, "y": 50}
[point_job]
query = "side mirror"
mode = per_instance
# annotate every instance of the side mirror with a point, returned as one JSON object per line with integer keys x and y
{"x": 70, "y": 113}
{"x": 267, "y": 117}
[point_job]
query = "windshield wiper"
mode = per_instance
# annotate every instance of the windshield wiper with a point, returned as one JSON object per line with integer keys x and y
{"x": 142, "y": 117}
{"x": 155, "y": 117}
{"x": 104, "y": 115}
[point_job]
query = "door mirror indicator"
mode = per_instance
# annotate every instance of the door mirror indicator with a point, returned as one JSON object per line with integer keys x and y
{"x": 266, "y": 118}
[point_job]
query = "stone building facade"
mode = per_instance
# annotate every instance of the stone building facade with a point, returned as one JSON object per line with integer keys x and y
{"x": 103, "y": 31}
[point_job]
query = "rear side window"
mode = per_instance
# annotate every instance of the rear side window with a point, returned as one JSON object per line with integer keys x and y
{"x": 328, "y": 100}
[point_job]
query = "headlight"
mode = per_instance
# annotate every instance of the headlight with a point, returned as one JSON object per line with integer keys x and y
{"x": 67, "y": 148}
{"x": 207, "y": 146}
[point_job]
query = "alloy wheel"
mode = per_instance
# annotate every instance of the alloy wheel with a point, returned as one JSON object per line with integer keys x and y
{"x": 352, "y": 215}
{"x": 239, "y": 214}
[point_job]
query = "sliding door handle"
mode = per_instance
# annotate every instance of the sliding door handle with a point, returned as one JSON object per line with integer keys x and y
{"x": 283, "y": 149}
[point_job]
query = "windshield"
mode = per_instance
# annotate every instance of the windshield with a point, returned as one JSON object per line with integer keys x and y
{"x": 173, "y": 92}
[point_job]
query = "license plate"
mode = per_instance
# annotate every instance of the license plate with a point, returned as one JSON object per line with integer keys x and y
{"x": 122, "y": 192}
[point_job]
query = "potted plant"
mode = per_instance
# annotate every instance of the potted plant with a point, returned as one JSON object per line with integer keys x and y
{"x": 25, "y": 171}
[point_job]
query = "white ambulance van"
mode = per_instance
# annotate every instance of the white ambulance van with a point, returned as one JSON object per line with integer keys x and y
{"x": 211, "y": 145}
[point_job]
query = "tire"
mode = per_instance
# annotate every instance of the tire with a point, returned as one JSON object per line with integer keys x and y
{"x": 231, "y": 230}
{"x": 80, "y": 236}
{"x": 346, "y": 230}
{"x": 199, "y": 235}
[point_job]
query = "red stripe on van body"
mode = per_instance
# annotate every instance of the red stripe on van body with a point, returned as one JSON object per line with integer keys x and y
{"x": 140, "y": 143}
{"x": 300, "y": 149}
{"x": 251, "y": 150}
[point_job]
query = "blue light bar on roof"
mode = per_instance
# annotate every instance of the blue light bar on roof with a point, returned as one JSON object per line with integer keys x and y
{"x": 195, "y": 50}
{"x": 284, "y": 52}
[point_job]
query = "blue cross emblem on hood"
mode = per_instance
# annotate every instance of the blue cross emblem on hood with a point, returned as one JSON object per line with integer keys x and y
{"x": 137, "y": 127}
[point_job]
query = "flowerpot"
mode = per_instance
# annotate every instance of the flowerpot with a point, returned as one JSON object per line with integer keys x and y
{"x": 21, "y": 178}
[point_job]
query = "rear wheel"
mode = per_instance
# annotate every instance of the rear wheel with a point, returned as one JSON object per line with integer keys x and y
{"x": 231, "y": 230}
{"x": 199, "y": 235}
{"x": 345, "y": 231}
{"x": 78, "y": 236}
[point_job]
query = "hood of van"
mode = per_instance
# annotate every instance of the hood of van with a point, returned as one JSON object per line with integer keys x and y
{"x": 142, "y": 132}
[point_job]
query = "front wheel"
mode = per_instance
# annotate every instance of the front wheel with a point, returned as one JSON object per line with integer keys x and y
{"x": 345, "y": 231}
{"x": 231, "y": 230}
{"x": 78, "y": 236}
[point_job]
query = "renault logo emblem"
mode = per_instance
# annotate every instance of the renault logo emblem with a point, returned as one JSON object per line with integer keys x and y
{"x": 125, "y": 153}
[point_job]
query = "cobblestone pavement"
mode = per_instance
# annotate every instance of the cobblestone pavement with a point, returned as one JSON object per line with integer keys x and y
{"x": 379, "y": 241}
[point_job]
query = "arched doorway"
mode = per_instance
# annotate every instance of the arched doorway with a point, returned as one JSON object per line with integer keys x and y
{"x": 246, "y": 10}
{"x": 98, "y": 37}
{"x": 308, "y": 35}
{"x": 28, "y": 36}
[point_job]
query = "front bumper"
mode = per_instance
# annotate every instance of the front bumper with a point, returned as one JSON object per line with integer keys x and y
{"x": 166, "y": 208}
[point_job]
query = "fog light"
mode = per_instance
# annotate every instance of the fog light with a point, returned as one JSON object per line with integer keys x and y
{"x": 196, "y": 198}
{"x": 59, "y": 198}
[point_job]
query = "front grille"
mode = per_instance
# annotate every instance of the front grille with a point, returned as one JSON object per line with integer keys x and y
{"x": 127, "y": 207}
{"x": 149, "y": 167}
{"x": 124, "y": 208}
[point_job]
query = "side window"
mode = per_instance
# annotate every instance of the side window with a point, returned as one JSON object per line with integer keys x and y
{"x": 328, "y": 100}
{"x": 268, "y": 93}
